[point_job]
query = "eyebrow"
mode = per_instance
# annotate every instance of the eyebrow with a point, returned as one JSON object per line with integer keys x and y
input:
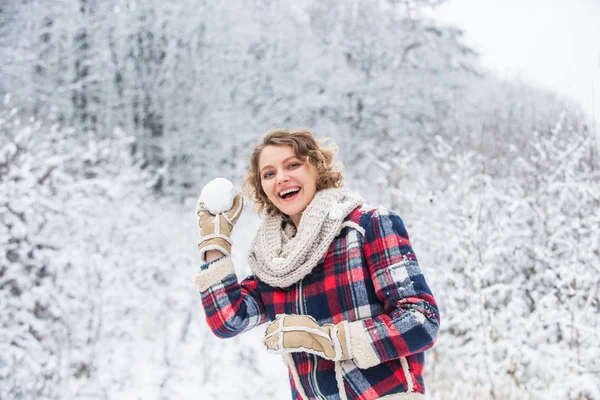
{"x": 267, "y": 166}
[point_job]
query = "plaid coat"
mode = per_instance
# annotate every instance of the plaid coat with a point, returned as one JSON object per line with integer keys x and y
{"x": 370, "y": 277}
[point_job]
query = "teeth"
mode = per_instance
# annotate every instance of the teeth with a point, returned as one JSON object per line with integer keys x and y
{"x": 289, "y": 191}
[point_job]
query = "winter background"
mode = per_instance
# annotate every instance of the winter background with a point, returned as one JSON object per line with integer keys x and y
{"x": 476, "y": 121}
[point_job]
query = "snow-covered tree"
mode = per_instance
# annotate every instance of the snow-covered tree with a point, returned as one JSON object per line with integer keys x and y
{"x": 514, "y": 259}
{"x": 184, "y": 83}
{"x": 58, "y": 192}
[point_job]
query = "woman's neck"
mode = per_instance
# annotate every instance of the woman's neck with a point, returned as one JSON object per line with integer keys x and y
{"x": 296, "y": 219}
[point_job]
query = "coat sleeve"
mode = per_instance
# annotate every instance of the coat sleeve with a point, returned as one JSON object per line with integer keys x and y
{"x": 231, "y": 307}
{"x": 411, "y": 320}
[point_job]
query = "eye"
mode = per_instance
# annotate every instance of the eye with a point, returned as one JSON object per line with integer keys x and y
{"x": 294, "y": 165}
{"x": 267, "y": 175}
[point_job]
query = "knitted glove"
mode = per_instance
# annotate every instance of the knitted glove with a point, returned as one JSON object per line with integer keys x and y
{"x": 296, "y": 333}
{"x": 215, "y": 230}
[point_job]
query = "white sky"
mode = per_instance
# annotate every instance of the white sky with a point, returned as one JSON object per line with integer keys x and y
{"x": 554, "y": 44}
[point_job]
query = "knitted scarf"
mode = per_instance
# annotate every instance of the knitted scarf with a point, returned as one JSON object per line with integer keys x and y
{"x": 280, "y": 258}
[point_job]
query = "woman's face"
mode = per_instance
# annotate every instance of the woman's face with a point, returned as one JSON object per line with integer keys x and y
{"x": 289, "y": 182}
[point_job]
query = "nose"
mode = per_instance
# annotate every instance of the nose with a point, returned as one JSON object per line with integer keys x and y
{"x": 282, "y": 177}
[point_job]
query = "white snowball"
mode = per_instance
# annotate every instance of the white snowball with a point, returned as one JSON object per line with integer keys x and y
{"x": 217, "y": 195}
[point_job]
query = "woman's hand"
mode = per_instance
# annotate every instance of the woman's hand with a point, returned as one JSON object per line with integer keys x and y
{"x": 296, "y": 333}
{"x": 215, "y": 230}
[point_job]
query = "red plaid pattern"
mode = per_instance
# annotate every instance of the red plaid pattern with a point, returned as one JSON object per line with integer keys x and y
{"x": 369, "y": 274}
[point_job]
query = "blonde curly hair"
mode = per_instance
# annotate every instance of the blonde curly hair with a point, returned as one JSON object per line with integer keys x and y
{"x": 317, "y": 152}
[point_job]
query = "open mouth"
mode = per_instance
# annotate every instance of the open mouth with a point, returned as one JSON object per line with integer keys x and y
{"x": 289, "y": 194}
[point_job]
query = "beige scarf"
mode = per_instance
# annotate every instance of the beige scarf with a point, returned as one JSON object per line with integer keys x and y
{"x": 280, "y": 256}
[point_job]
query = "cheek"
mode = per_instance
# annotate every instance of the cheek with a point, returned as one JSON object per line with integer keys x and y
{"x": 314, "y": 178}
{"x": 265, "y": 188}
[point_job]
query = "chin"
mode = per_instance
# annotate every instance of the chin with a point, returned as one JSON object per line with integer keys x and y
{"x": 290, "y": 212}
{"x": 288, "y": 209}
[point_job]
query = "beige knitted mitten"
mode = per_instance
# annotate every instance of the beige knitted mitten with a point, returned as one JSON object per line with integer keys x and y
{"x": 296, "y": 333}
{"x": 215, "y": 230}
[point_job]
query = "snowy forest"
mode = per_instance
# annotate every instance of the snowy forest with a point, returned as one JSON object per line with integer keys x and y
{"x": 115, "y": 113}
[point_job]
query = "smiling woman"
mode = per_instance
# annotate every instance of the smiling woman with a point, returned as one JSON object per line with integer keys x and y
{"x": 349, "y": 308}
{"x": 288, "y": 176}
{"x": 289, "y": 183}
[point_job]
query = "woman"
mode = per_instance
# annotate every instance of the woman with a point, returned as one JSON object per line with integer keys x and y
{"x": 349, "y": 307}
